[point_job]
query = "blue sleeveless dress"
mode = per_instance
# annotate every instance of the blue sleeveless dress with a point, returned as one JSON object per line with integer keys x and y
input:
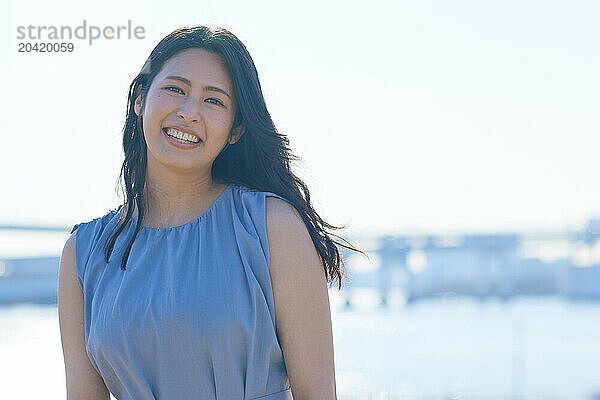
{"x": 192, "y": 316}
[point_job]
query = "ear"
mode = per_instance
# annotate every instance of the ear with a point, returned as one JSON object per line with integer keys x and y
{"x": 237, "y": 133}
{"x": 137, "y": 106}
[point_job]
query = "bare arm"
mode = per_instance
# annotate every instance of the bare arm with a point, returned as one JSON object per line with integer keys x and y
{"x": 83, "y": 382}
{"x": 302, "y": 312}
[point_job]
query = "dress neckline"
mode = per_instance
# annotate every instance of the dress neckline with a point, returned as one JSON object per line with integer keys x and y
{"x": 194, "y": 221}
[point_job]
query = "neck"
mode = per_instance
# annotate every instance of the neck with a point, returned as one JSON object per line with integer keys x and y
{"x": 172, "y": 199}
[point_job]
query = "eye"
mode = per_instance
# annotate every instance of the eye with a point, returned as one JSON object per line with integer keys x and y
{"x": 217, "y": 100}
{"x": 173, "y": 87}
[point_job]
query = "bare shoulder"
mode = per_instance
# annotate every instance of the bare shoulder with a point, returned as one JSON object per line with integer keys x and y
{"x": 68, "y": 253}
{"x": 68, "y": 287}
{"x": 281, "y": 212}
{"x": 292, "y": 252}
{"x": 286, "y": 230}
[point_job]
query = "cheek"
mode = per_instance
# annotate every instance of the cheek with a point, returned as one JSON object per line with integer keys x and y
{"x": 221, "y": 120}
{"x": 157, "y": 109}
{"x": 158, "y": 103}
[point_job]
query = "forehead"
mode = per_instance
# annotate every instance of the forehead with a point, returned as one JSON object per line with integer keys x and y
{"x": 199, "y": 66}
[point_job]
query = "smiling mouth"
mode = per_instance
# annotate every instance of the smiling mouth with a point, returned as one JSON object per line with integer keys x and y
{"x": 172, "y": 134}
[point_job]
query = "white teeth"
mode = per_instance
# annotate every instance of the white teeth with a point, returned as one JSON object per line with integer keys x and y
{"x": 182, "y": 135}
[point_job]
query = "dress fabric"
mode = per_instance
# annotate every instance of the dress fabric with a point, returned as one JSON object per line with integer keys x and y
{"x": 192, "y": 316}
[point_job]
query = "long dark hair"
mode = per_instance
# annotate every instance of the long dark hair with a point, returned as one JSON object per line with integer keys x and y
{"x": 259, "y": 160}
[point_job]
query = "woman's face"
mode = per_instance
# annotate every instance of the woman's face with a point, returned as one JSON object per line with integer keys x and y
{"x": 192, "y": 93}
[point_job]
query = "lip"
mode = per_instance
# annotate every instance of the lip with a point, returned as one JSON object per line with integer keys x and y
{"x": 179, "y": 144}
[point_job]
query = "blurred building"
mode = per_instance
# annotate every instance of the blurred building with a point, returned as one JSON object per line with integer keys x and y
{"x": 501, "y": 265}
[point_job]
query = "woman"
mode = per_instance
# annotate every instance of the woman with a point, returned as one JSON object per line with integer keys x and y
{"x": 214, "y": 270}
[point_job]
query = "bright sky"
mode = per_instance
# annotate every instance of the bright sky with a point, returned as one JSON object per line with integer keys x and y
{"x": 424, "y": 116}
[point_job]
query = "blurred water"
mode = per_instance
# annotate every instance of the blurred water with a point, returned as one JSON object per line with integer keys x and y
{"x": 534, "y": 348}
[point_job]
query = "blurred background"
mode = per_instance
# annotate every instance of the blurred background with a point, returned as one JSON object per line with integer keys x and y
{"x": 458, "y": 140}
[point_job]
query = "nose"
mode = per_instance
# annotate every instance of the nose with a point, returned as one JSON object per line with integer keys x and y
{"x": 189, "y": 111}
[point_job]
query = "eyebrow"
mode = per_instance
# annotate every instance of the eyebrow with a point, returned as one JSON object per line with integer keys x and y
{"x": 206, "y": 88}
